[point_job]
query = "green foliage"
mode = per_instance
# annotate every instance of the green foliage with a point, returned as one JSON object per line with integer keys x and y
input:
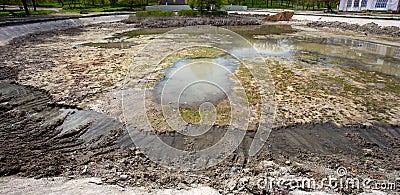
{"x": 154, "y": 13}
{"x": 4, "y": 13}
{"x": 83, "y": 11}
{"x": 42, "y": 12}
{"x": 206, "y": 4}
{"x": 22, "y": 13}
{"x": 49, "y": 4}
{"x": 188, "y": 13}
{"x": 97, "y": 9}
{"x": 10, "y": 2}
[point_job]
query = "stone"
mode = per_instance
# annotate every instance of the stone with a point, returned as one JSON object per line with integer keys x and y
{"x": 267, "y": 164}
{"x": 231, "y": 185}
{"x": 234, "y": 169}
{"x": 367, "y": 152}
{"x": 84, "y": 169}
{"x": 123, "y": 177}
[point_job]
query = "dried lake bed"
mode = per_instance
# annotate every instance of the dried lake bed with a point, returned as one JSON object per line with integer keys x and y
{"x": 64, "y": 91}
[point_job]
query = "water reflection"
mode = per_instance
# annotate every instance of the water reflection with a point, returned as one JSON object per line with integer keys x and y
{"x": 327, "y": 51}
{"x": 193, "y": 81}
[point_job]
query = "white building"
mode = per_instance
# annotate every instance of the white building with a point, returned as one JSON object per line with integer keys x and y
{"x": 373, "y": 5}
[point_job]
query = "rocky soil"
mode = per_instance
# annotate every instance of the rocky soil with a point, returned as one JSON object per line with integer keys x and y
{"x": 164, "y": 22}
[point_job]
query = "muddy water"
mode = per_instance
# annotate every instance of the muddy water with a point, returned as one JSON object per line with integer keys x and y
{"x": 120, "y": 45}
{"x": 326, "y": 51}
{"x": 282, "y": 41}
{"x": 198, "y": 80}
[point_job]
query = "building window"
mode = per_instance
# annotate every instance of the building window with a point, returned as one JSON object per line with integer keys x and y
{"x": 356, "y": 3}
{"x": 349, "y": 2}
{"x": 381, "y": 3}
{"x": 363, "y": 3}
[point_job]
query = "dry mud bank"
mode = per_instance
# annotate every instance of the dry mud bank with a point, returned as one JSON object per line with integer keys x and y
{"x": 369, "y": 28}
{"x": 61, "y": 113}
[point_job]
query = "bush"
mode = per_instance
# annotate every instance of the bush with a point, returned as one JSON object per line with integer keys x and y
{"x": 214, "y": 13}
{"x": 155, "y": 13}
{"x": 188, "y": 13}
{"x": 84, "y": 11}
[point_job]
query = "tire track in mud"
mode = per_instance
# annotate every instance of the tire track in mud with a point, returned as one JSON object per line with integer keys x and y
{"x": 40, "y": 138}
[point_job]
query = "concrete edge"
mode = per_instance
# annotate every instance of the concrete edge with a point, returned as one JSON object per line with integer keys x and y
{"x": 37, "y": 20}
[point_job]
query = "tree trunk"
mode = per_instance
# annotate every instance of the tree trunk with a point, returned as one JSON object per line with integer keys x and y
{"x": 25, "y": 7}
{"x": 330, "y": 8}
{"x": 62, "y": 3}
{"x": 34, "y": 5}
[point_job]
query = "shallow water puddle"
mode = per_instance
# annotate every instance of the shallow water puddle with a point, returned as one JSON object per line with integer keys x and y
{"x": 197, "y": 80}
{"x": 279, "y": 40}
{"x": 331, "y": 51}
{"x": 120, "y": 45}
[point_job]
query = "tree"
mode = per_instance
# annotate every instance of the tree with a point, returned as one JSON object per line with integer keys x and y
{"x": 62, "y": 2}
{"x": 25, "y": 7}
{"x": 329, "y": 4}
{"x": 33, "y": 2}
{"x": 205, "y": 4}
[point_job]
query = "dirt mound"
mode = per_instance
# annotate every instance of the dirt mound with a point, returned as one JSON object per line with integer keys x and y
{"x": 164, "y": 22}
{"x": 369, "y": 28}
{"x": 283, "y": 16}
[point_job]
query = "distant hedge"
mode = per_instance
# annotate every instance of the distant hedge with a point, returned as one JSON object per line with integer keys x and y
{"x": 204, "y": 13}
{"x": 155, "y": 13}
{"x": 188, "y": 13}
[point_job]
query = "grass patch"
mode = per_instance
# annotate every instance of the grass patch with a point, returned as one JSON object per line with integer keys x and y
{"x": 22, "y": 13}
